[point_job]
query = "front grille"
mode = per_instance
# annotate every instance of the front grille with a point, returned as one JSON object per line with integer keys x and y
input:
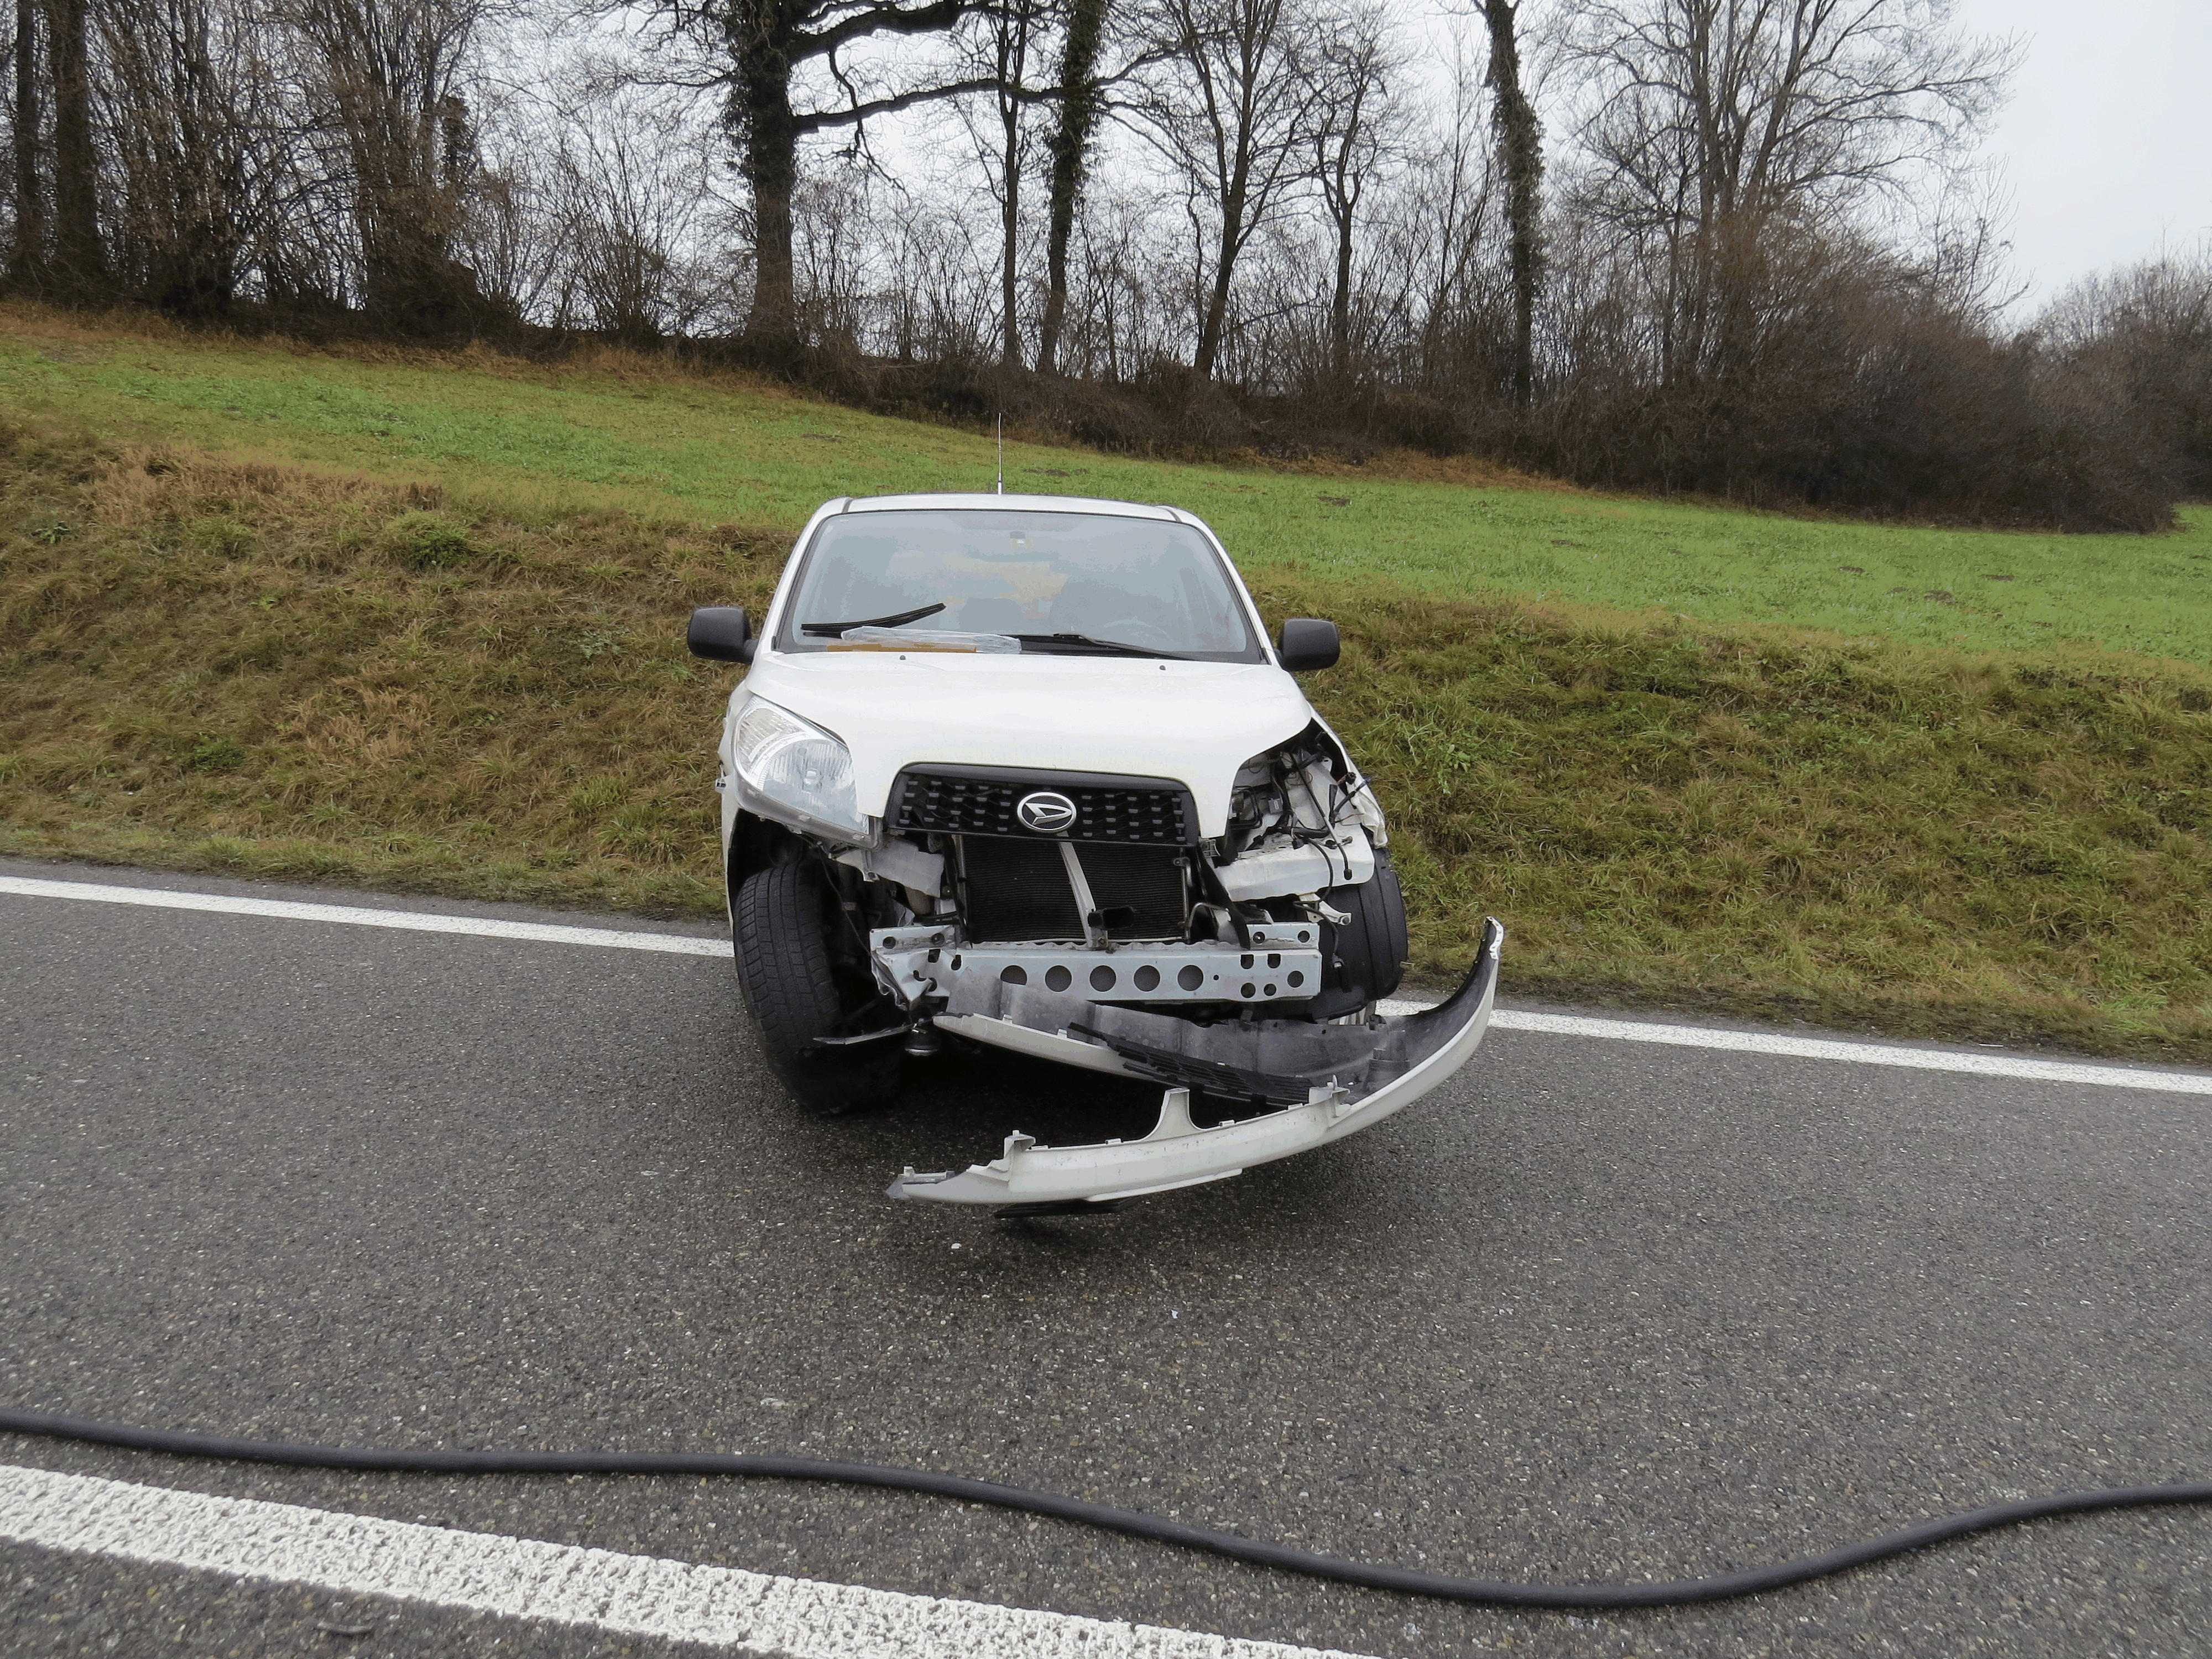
{"x": 980, "y": 801}
{"x": 1018, "y": 890}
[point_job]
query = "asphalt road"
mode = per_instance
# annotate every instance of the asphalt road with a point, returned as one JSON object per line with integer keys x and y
{"x": 1595, "y": 1311}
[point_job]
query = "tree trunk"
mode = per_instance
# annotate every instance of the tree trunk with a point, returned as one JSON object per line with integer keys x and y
{"x": 1352, "y": 73}
{"x": 1340, "y": 299}
{"x": 80, "y": 262}
{"x": 1010, "y": 349}
{"x": 1521, "y": 157}
{"x": 763, "y": 114}
{"x": 27, "y": 260}
{"x": 772, "y": 170}
{"x": 1080, "y": 103}
{"x": 766, "y": 40}
{"x": 1010, "y": 205}
{"x": 1216, "y": 320}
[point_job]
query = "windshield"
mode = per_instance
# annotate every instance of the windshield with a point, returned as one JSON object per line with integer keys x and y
{"x": 1146, "y": 583}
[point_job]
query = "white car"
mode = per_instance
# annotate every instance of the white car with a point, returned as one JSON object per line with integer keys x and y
{"x": 1025, "y": 771}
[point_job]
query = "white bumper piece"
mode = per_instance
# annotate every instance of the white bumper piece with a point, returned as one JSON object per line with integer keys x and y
{"x": 1433, "y": 1043}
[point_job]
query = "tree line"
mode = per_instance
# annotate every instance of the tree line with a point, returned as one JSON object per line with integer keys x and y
{"x": 1740, "y": 247}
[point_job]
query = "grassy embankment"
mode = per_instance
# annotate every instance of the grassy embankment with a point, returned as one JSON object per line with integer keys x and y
{"x": 440, "y": 652}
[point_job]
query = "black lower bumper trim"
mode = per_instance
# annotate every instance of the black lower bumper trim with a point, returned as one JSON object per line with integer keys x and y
{"x": 1212, "y": 1077}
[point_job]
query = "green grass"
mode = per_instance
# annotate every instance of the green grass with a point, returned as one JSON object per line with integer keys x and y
{"x": 625, "y": 436}
{"x": 309, "y": 656}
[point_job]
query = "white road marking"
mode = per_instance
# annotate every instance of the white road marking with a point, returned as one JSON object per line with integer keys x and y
{"x": 525, "y": 1578}
{"x": 1504, "y": 1019}
{"x": 1861, "y": 1053}
{"x": 417, "y": 921}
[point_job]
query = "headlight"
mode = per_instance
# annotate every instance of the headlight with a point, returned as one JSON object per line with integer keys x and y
{"x": 797, "y": 765}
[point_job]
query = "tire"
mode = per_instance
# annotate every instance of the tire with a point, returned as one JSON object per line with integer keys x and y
{"x": 787, "y": 926}
{"x": 1366, "y": 957}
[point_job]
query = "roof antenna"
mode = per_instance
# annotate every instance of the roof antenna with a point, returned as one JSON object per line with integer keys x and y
{"x": 1002, "y": 453}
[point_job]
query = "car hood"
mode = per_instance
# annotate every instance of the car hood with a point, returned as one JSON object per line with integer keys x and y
{"x": 1196, "y": 722}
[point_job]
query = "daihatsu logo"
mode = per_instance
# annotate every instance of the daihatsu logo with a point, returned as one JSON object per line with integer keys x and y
{"x": 1047, "y": 811}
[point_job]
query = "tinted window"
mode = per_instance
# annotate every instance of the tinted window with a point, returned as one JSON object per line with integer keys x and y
{"x": 1136, "y": 581}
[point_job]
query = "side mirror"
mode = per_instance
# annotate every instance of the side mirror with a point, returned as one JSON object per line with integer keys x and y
{"x": 1307, "y": 643}
{"x": 721, "y": 633}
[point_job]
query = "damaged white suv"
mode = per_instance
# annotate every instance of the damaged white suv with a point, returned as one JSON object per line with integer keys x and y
{"x": 1023, "y": 770}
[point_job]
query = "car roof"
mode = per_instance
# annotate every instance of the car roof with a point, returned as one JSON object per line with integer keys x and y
{"x": 988, "y": 502}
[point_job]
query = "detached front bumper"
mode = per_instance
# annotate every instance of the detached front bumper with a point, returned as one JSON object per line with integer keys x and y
{"x": 1411, "y": 1055}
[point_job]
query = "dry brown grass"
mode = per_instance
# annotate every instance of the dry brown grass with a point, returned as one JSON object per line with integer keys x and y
{"x": 29, "y": 319}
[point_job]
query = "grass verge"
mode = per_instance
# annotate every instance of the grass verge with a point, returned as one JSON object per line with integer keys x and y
{"x": 612, "y": 433}
{"x": 226, "y": 665}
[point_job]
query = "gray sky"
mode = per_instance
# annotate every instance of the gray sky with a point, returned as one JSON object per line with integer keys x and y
{"x": 2108, "y": 142}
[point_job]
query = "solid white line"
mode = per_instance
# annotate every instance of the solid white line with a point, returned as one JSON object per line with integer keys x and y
{"x": 525, "y": 1578}
{"x": 1617, "y": 1031}
{"x": 1861, "y": 1053}
{"x": 416, "y": 921}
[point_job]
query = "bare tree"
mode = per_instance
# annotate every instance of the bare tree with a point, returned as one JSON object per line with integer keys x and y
{"x": 626, "y": 200}
{"x": 58, "y": 248}
{"x": 1353, "y": 141}
{"x": 510, "y": 239}
{"x": 387, "y": 80}
{"x": 1117, "y": 327}
{"x": 1969, "y": 257}
{"x": 79, "y": 256}
{"x": 766, "y": 41}
{"x": 190, "y": 122}
{"x": 1448, "y": 196}
{"x": 1011, "y": 39}
{"x": 1715, "y": 122}
{"x": 1234, "y": 116}
{"x": 838, "y": 244}
{"x": 2141, "y": 338}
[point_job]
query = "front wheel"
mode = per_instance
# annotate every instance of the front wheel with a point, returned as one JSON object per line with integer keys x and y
{"x": 1366, "y": 957}
{"x": 804, "y": 978}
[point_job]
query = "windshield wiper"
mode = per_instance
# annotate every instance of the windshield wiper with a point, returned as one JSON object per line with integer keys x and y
{"x": 831, "y": 630}
{"x": 1118, "y": 647}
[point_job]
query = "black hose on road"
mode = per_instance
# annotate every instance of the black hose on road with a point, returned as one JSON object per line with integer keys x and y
{"x": 1721, "y": 1587}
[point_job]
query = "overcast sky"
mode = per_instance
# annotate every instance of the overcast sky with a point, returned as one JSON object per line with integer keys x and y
{"x": 2108, "y": 142}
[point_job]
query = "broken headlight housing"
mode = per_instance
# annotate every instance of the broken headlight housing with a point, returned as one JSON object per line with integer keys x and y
{"x": 796, "y": 764}
{"x": 1256, "y": 800}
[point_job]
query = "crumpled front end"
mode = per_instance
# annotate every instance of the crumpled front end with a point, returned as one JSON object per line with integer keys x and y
{"x": 1305, "y": 1084}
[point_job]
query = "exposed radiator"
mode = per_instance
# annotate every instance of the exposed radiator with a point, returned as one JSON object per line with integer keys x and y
{"x": 1147, "y": 880}
{"x": 1019, "y": 890}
